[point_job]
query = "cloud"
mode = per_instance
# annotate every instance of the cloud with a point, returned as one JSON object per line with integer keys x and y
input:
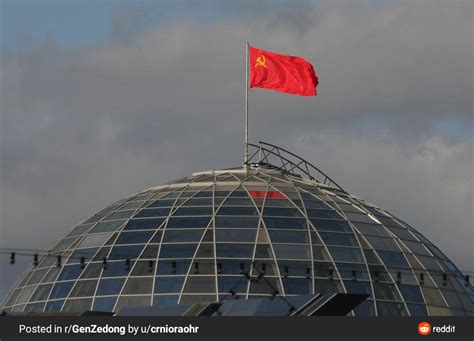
{"x": 83, "y": 127}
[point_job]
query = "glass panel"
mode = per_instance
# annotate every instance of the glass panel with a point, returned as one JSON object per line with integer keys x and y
{"x": 342, "y": 239}
{"x": 386, "y": 292}
{"x": 391, "y": 309}
{"x": 70, "y": 272}
{"x": 205, "y": 194}
{"x": 358, "y": 287}
{"x": 143, "y": 268}
{"x": 371, "y": 257}
{"x": 189, "y": 235}
{"x": 320, "y": 253}
{"x": 417, "y": 248}
{"x": 162, "y": 203}
{"x": 314, "y": 204}
{"x": 278, "y": 203}
{"x": 297, "y": 237}
{"x": 86, "y": 253}
{"x": 200, "y": 284}
{"x": 107, "y": 226}
{"x": 371, "y": 229}
{"x": 119, "y": 215}
{"x": 151, "y": 251}
{"x": 234, "y": 250}
{"x": 236, "y": 222}
{"x": 188, "y": 299}
{"x": 291, "y": 251}
{"x": 366, "y": 308}
{"x": 169, "y": 284}
{"x": 285, "y": 223}
{"x": 417, "y": 310}
{"x": 64, "y": 244}
{"x": 131, "y": 205}
{"x": 61, "y": 290}
{"x": 433, "y": 296}
{"x": 331, "y": 225}
{"x": 438, "y": 311}
{"x": 134, "y": 237}
{"x": 199, "y": 202}
{"x": 238, "y": 194}
{"x": 411, "y": 293}
{"x": 92, "y": 270}
{"x": 239, "y": 211}
{"x": 325, "y": 286}
{"x": 153, "y": 212}
{"x": 41, "y": 293}
{"x": 110, "y": 286}
{"x": 193, "y": 211}
{"x": 282, "y": 211}
{"x": 340, "y": 254}
{"x": 84, "y": 288}
{"x": 125, "y": 252}
{"x": 452, "y": 299}
{"x": 192, "y": 222}
{"x": 382, "y": 243}
{"x": 297, "y": 286}
{"x": 80, "y": 230}
{"x": 96, "y": 239}
{"x": 263, "y": 251}
{"x": 144, "y": 224}
{"x": 205, "y": 250}
{"x": 233, "y": 266}
{"x": 116, "y": 269}
{"x": 430, "y": 263}
{"x": 54, "y": 306}
{"x": 346, "y": 270}
{"x": 406, "y": 275}
{"x": 236, "y": 283}
{"x": 165, "y": 267}
{"x": 126, "y": 302}
{"x": 35, "y": 307}
{"x": 37, "y": 276}
{"x": 237, "y": 202}
{"x": 378, "y": 273}
{"x": 165, "y": 299}
{"x": 294, "y": 268}
{"x": 140, "y": 285}
{"x": 101, "y": 254}
{"x": 177, "y": 250}
{"x": 402, "y": 233}
{"x": 104, "y": 303}
{"x": 323, "y": 269}
{"x": 264, "y": 287}
{"x": 361, "y": 217}
{"x": 393, "y": 258}
{"x": 324, "y": 214}
{"x": 235, "y": 235}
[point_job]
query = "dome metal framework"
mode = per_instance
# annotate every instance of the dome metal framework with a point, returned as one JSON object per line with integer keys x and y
{"x": 213, "y": 236}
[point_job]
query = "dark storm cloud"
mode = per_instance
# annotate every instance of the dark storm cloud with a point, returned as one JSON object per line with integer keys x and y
{"x": 81, "y": 128}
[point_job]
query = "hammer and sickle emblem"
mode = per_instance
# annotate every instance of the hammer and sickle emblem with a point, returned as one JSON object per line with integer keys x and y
{"x": 260, "y": 61}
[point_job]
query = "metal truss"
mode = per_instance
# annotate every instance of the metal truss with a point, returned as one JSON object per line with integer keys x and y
{"x": 270, "y": 156}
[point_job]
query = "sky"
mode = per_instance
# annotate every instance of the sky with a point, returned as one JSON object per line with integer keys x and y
{"x": 102, "y": 99}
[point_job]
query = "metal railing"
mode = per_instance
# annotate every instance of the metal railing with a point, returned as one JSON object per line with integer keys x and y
{"x": 274, "y": 157}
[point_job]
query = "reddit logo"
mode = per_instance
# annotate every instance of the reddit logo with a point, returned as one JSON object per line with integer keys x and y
{"x": 424, "y": 328}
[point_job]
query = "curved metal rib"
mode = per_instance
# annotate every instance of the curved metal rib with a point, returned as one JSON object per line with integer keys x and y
{"x": 271, "y": 156}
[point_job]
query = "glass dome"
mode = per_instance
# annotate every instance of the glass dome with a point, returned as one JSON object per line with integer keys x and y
{"x": 215, "y": 235}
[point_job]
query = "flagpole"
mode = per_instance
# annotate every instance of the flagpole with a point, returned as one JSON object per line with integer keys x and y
{"x": 246, "y": 150}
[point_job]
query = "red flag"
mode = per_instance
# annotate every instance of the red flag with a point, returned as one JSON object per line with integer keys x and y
{"x": 293, "y": 75}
